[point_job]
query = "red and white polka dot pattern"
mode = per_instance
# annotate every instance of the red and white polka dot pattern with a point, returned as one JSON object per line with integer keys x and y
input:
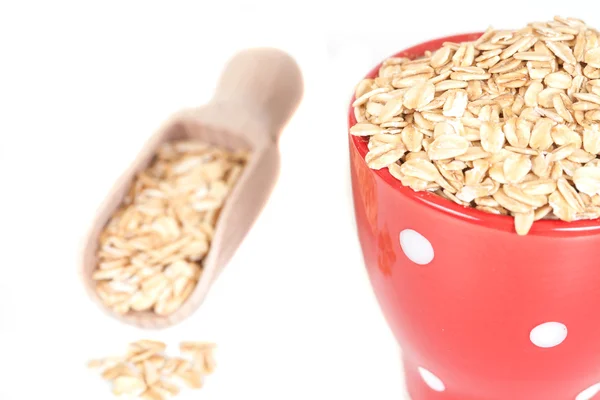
{"x": 547, "y": 335}
{"x": 419, "y": 250}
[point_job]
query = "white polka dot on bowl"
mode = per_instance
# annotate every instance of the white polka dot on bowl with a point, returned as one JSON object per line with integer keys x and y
{"x": 589, "y": 393}
{"x": 548, "y": 334}
{"x": 416, "y": 247}
{"x": 431, "y": 380}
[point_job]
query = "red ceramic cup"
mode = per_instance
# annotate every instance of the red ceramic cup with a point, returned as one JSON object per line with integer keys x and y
{"x": 479, "y": 312}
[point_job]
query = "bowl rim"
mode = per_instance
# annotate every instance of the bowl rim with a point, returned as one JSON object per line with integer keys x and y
{"x": 441, "y": 205}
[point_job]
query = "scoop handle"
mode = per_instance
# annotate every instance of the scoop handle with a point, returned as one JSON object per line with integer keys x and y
{"x": 265, "y": 82}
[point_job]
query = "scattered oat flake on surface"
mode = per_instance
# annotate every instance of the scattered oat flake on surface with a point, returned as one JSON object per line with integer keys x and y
{"x": 130, "y": 385}
{"x": 153, "y": 377}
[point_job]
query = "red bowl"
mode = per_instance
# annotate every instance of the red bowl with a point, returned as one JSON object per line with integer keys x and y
{"x": 479, "y": 312}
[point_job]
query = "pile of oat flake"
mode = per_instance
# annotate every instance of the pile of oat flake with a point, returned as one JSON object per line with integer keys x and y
{"x": 147, "y": 372}
{"x": 508, "y": 124}
{"x": 151, "y": 251}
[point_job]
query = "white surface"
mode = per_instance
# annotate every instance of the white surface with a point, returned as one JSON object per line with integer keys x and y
{"x": 83, "y": 84}
{"x": 548, "y": 334}
{"x": 293, "y": 314}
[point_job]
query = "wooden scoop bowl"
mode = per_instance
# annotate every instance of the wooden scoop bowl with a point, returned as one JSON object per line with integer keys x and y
{"x": 258, "y": 92}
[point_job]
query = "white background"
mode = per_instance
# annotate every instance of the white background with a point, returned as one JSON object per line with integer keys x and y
{"x": 83, "y": 84}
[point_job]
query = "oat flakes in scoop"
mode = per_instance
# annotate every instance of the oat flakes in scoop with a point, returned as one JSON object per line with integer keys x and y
{"x": 151, "y": 251}
{"x": 508, "y": 124}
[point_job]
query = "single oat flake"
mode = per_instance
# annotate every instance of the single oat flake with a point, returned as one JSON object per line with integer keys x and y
{"x": 508, "y": 124}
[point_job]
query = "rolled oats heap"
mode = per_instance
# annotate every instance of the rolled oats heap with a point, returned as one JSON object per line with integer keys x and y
{"x": 151, "y": 251}
{"x": 148, "y": 373}
{"x": 508, "y": 124}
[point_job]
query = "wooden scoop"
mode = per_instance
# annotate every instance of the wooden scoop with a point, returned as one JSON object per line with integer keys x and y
{"x": 258, "y": 92}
